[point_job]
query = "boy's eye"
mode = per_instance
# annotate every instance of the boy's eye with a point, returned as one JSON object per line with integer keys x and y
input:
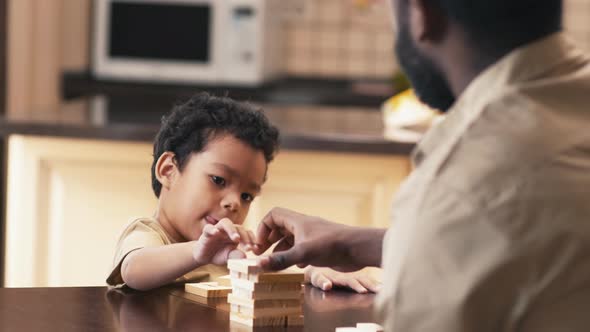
{"x": 218, "y": 180}
{"x": 247, "y": 197}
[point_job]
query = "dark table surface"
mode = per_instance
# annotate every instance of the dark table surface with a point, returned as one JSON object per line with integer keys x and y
{"x": 303, "y": 127}
{"x": 166, "y": 309}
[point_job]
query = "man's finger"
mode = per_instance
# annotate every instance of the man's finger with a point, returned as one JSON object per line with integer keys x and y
{"x": 282, "y": 260}
{"x": 276, "y": 219}
{"x": 285, "y": 244}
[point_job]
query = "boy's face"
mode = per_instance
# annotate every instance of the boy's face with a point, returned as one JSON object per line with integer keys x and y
{"x": 219, "y": 182}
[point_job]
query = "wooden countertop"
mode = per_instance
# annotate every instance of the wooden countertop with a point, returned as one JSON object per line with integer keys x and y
{"x": 316, "y": 128}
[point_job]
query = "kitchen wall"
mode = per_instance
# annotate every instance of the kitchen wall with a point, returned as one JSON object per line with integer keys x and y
{"x": 330, "y": 39}
{"x": 341, "y": 39}
{"x": 577, "y": 21}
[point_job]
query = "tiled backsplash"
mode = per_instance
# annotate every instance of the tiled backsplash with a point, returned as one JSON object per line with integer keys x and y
{"x": 577, "y": 21}
{"x": 343, "y": 39}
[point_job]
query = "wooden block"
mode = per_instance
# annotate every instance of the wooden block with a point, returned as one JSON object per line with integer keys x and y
{"x": 224, "y": 281}
{"x": 231, "y": 298}
{"x": 369, "y": 327}
{"x": 266, "y": 312}
{"x": 207, "y": 289}
{"x": 246, "y": 265}
{"x": 295, "y": 320}
{"x": 285, "y": 276}
{"x": 247, "y": 294}
{"x": 282, "y": 321}
{"x": 260, "y": 287}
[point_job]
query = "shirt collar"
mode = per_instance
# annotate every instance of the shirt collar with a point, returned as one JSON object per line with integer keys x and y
{"x": 523, "y": 64}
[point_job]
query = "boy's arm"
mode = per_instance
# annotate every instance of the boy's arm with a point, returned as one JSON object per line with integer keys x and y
{"x": 152, "y": 267}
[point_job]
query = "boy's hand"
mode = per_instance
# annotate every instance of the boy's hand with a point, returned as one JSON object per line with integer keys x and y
{"x": 219, "y": 243}
{"x": 361, "y": 281}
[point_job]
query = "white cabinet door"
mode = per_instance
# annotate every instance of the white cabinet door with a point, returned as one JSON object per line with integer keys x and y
{"x": 67, "y": 200}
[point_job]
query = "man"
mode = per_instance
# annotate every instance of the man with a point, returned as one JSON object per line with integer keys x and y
{"x": 491, "y": 232}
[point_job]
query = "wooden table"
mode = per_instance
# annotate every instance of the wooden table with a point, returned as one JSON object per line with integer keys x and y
{"x": 167, "y": 309}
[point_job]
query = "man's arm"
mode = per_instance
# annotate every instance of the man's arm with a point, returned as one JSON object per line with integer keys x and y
{"x": 306, "y": 240}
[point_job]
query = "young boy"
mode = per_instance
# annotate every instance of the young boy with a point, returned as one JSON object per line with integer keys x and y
{"x": 210, "y": 161}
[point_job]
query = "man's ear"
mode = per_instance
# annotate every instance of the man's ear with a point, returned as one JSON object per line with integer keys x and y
{"x": 166, "y": 169}
{"x": 428, "y": 23}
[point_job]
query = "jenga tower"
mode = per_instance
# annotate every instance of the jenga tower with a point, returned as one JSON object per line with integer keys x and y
{"x": 264, "y": 298}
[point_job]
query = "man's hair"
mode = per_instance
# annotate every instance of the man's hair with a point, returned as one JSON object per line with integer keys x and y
{"x": 502, "y": 25}
{"x": 190, "y": 126}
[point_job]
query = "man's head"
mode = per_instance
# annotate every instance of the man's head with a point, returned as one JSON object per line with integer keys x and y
{"x": 437, "y": 40}
{"x": 210, "y": 160}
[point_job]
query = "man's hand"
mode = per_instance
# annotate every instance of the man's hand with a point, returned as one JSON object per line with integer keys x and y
{"x": 361, "y": 281}
{"x": 219, "y": 243}
{"x": 306, "y": 240}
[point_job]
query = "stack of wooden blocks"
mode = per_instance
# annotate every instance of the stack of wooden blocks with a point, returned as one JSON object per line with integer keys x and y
{"x": 264, "y": 298}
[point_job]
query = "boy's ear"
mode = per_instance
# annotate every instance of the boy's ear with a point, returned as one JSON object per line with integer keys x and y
{"x": 166, "y": 169}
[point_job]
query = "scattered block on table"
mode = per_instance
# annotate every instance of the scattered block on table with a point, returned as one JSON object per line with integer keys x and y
{"x": 266, "y": 312}
{"x": 232, "y": 299}
{"x": 247, "y": 294}
{"x": 207, "y": 289}
{"x": 347, "y": 329}
{"x": 224, "y": 281}
{"x": 369, "y": 327}
{"x": 266, "y": 287}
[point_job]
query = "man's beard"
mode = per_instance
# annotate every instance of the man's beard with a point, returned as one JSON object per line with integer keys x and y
{"x": 429, "y": 83}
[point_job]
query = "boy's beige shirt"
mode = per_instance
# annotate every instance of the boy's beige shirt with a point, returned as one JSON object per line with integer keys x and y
{"x": 147, "y": 232}
{"x": 491, "y": 232}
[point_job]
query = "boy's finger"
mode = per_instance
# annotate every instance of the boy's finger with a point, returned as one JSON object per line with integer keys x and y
{"x": 245, "y": 238}
{"x": 356, "y": 285}
{"x": 236, "y": 254}
{"x": 251, "y": 238}
{"x": 209, "y": 231}
{"x": 370, "y": 284}
{"x": 228, "y": 227}
{"x": 321, "y": 281}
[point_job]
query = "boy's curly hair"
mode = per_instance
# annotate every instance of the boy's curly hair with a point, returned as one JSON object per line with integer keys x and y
{"x": 190, "y": 126}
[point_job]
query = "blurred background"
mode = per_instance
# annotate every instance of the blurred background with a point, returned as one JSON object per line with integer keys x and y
{"x": 83, "y": 85}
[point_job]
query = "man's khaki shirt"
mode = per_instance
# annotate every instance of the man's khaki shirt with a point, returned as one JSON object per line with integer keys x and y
{"x": 491, "y": 232}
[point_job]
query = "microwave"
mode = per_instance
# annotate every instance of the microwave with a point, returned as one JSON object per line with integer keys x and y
{"x": 187, "y": 41}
